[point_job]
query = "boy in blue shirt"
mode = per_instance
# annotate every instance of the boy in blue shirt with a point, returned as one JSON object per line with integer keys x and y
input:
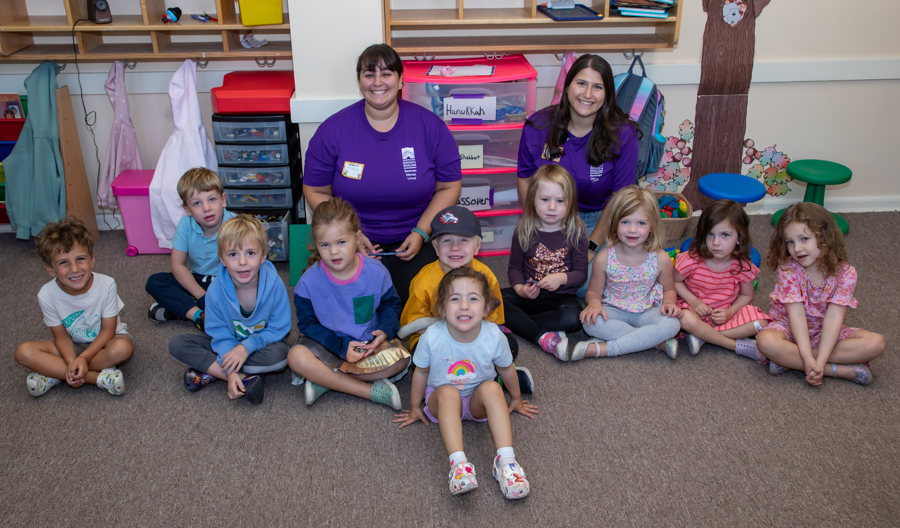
{"x": 181, "y": 293}
{"x": 248, "y": 316}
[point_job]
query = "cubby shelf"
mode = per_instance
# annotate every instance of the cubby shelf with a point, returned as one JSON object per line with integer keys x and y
{"x": 18, "y": 29}
{"x": 660, "y": 34}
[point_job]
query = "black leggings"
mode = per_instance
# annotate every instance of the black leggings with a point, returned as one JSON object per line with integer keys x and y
{"x": 403, "y": 272}
{"x": 549, "y": 312}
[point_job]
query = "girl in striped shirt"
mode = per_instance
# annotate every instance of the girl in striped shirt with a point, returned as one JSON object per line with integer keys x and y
{"x": 714, "y": 282}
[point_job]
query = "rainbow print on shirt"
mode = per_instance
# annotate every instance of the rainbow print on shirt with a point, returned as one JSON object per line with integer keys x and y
{"x": 461, "y": 372}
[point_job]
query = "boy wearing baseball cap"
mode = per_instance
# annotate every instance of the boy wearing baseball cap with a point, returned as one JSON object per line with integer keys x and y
{"x": 456, "y": 236}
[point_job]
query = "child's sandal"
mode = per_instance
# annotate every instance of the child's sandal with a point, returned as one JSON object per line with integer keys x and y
{"x": 863, "y": 373}
{"x": 581, "y": 347}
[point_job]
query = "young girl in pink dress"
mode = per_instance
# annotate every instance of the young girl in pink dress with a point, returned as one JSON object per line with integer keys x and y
{"x": 813, "y": 288}
{"x": 714, "y": 282}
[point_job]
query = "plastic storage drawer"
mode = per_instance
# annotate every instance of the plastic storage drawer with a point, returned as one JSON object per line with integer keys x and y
{"x": 276, "y": 232}
{"x": 259, "y": 198}
{"x": 249, "y": 132}
{"x": 259, "y": 176}
{"x": 500, "y": 143}
{"x": 504, "y": 186}
{"x": 253, "y": 154}
{"x": 514, "y": 100}
{"x": 497, "y": 232}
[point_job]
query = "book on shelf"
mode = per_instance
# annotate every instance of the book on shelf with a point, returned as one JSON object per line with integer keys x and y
{"x": 11, "y": 106}
{"x": 655, "y": 5}
{"x": 642, "y": 13}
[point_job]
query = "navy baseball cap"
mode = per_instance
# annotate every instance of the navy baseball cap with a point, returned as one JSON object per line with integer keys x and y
{"x": 455, "y": 220}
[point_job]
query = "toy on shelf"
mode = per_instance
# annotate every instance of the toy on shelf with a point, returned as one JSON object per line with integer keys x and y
{"x": 252, "y": 155}
{"x": 671, "y": 207}
{"x": 261, "y": 177}
{"x": 257, "y": 134}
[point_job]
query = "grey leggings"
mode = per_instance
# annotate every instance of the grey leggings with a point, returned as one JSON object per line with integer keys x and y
{"x": 626, "y": 332}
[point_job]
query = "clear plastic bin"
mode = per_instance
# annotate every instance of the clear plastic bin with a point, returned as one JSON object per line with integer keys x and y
{"x": 504, "y": 186}
{"x": 515, "y": 100}
{"x": 497, "y": 232}
{"x": 276, "y": 224}
{"x": 501, "y": 145}
{"x": 253, "y": 154}
{"x": 259, "y": 198}
{"x": 255, "y": 176}
{"x": 249, "y": 132}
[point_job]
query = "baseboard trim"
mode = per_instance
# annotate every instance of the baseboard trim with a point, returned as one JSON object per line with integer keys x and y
{"x": 838, "y": 204}
{"x": 113, "y": 219}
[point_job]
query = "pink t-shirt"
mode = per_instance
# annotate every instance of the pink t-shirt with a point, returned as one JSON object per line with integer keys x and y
{"x": 792, "y": 285}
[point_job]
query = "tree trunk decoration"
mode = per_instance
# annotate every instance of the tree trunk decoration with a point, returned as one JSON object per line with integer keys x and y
{"x": 726, "y": 66}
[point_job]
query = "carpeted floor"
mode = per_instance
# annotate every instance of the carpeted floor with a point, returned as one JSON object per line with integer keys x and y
{"x": 709, "y": 440}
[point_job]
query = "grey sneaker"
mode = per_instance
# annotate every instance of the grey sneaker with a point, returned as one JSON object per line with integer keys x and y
{"x": 694, "y": 344}
{"x": 313, "y": 391}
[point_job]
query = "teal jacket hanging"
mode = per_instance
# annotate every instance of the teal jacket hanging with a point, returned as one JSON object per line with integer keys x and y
{"x": 35, "y": 180}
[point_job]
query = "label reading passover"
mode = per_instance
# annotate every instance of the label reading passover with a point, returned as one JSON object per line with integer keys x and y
{"x": 471, "y": 156}
{"x": 483, "y": 108}
{"x": 475, "y": 198}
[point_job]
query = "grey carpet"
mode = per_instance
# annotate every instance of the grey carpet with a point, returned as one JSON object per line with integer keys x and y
{"x": 710, "y": 440}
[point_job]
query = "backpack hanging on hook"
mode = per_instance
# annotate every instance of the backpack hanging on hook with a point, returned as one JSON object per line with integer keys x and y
{"x": 639, "y": 97}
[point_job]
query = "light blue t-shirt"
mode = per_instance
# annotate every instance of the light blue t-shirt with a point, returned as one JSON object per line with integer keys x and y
{"x": 202, "y": 252}
{"x": 464, "y": 365}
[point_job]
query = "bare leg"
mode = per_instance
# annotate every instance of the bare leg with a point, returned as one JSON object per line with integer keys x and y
{"x": 861, "y": 347}
{"x": 595, "y": 350}
{"x": 44, "y": 358}
{"x": 445, "y": 403}
{"x": 488, "y": 400}
{"x": 190, "y": 313}
{"x": 306, "y": 364}
{"x": 776, "y": 347}
{"x": 745, "y": 330}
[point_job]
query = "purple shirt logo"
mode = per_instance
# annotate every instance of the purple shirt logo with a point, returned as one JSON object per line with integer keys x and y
{"x": 409, "y": 162}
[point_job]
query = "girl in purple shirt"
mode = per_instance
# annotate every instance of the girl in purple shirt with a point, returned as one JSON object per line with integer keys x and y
{"x": 396, "y": 162}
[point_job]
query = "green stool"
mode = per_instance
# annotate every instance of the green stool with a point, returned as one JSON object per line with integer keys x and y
{"x": 817, "y": 174}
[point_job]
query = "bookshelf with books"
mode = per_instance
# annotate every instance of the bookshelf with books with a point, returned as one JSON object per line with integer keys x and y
{"x": 612, "y": 31}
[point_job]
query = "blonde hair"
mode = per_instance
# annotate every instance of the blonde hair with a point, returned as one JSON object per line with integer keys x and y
{"x": 198, "y": 180}
{"x": 234, "y": 234}
{"x": 572, "y": 225}
{"x": 828, "y": 237}
{"x": 61, "y": 237}
{"x": 329, "y": 212}
{"x": 626, "y": 202}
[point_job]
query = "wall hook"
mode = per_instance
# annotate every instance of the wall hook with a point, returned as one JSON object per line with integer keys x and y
{"x": 560, "y": 59}
{"x": 424, "y": 57}
{"x": 268, "y": 63}
{"x": 633, "y": 54}
{"x": 494, "y": 56}
{"x": 132, "y": 65}
{"x": 60, "y": 68}
{"x": 201, "y": 64}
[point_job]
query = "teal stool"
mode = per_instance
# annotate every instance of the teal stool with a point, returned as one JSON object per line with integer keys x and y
{"x": 817, "y": 174}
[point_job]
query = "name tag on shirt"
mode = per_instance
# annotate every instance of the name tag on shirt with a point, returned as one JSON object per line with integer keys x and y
{"x": 353, "y": 170}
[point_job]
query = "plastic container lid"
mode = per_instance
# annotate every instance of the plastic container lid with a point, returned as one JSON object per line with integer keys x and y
{"x": 133, "y": 183}
{"x": 248, "y": 92}
{"x": 511, "y": 68}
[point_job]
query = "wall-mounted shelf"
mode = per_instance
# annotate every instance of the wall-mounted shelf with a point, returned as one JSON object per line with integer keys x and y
{"x": 618, "y": 31}
{"x": 96, "y": 41}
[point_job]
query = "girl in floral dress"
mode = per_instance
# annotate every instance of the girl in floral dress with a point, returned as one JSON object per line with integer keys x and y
{"x": 813, "y": 289}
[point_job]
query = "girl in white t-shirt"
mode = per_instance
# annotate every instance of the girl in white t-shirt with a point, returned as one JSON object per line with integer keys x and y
{"x": 467, "y": 352}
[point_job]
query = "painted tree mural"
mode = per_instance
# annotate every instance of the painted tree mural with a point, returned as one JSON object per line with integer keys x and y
{"x": 726, "y": 66}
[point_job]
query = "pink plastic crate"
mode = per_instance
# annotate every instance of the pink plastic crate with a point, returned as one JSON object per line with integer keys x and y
{"x": 132, "y": 188}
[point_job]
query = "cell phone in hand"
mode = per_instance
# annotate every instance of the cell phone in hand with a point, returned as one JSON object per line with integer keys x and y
{"x": 532, "y": 281}
{"x": 386, "y": 254}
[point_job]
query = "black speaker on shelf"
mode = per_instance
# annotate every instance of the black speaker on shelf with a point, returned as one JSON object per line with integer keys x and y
{"x": 98, "y": 11}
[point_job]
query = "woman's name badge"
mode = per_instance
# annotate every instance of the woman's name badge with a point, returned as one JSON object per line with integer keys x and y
{"x": 353, "y": 170}
{"x": 546, "y": 154}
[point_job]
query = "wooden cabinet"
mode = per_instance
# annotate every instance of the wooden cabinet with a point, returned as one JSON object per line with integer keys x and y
{"x": 149, "y": 38}
{"x": 612, "y": 32}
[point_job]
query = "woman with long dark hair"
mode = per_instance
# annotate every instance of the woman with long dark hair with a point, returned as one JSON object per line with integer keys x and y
{"x": 589, "y": 135}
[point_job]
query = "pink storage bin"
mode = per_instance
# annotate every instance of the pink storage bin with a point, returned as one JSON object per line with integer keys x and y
{"x": 132, "y": 188}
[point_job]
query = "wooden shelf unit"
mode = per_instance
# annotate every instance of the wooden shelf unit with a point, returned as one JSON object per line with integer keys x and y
{"x": 18, "y": 29}
{"x": 661, "y": 34}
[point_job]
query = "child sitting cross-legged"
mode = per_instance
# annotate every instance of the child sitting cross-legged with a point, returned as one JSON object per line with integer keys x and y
{"x": 248, "y": 316}
{"x": 82, "y": 310}
{"x": 346, "y": 308}
{"x": 457, "y": 360}
{"x": 181, "y": 293}
{"x": 456, "y": 236}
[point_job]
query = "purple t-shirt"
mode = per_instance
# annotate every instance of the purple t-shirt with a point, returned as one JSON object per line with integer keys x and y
{"x": 389, "y": 177}
{"x": 595, "y": 184}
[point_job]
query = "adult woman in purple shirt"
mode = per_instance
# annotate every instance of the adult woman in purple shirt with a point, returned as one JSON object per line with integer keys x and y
{"x": 394, "y": 161}
{"x": 589, "y": 135}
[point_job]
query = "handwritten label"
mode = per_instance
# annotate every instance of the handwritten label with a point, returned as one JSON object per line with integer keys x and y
{"x": 471, "y": 156}
{"x": 463, "y": 108}
{"x": 487, "y": 236}
{"x": 475, "y": 198}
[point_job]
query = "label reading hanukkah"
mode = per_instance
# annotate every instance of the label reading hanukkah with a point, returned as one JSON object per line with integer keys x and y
{"x": 462, "y": 107}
